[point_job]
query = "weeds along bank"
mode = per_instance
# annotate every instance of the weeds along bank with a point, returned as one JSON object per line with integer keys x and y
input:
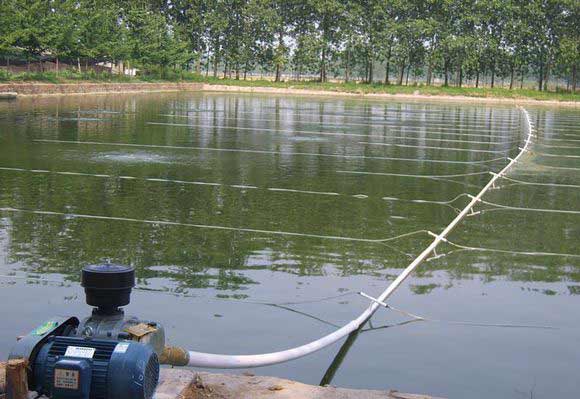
{"x": 378, "y": 92}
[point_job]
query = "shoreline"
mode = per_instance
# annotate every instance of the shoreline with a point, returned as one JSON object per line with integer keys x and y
{"x": 36, "y": 89}
{"x": 387, "y": 96}
{"x": 185, "y": 383}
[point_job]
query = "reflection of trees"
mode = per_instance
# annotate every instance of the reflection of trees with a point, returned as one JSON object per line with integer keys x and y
{"x": 187, "y": 257}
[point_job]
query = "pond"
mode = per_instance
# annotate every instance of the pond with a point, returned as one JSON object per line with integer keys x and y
{"x": 254, "y": 221}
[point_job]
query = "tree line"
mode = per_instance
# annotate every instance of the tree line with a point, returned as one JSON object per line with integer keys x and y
{"x": 452, "y": 41}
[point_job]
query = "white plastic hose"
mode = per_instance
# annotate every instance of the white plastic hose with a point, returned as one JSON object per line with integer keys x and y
{"x": 209, "y": 360}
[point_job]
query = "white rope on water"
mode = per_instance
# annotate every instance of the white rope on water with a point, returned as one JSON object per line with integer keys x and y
{"x": 286, "y": 305}
{"x": 558, "y": 167}
{"x": 238, "y": 150}
{"x": 461, "y": 323}
{"x": 210, "y": 227}
{"x": 499, "y": 207}
{"x": 213, "y": 184}
{"x": 372, "y": 117}
{"x": 444, "y": 124}
{"x": 570, "y": 147}
{"x": 544, "y": 154}
{"x": 320, "y": 133}
{"x": 529, "y": 183}
{"x": 422, "y": 201}
{"x": 370, "y": 143}
{"x": 322, "y": 123}
{"x": 428, "y": 177}
{"x": 497, "y": 250}
{"x": 355, "y": 172}
{"x": 293, "y": 190}
{"x": 209, "y": 360}
{"x": 551, "y": 139}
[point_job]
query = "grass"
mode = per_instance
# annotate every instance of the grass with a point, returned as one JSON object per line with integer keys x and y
{"x": 377, "y": 88}
{"x": 351, "y": 87}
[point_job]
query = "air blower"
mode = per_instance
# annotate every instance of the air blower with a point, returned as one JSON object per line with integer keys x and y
{"x": 105, "y": 356}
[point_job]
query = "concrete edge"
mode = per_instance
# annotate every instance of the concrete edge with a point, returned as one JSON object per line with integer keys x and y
{"x": 189, "y": 384}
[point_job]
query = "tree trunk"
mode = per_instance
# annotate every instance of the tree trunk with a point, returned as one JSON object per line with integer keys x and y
{"x": 512, "y": 76}
{"x": 492, "y": 73}
{"x": 198, "y": 66}
{"x": 521, "y": 77}
{"x": 323, "y": 65}
{"x": 388, "y": 65}
{"x": 57, "y": 65}
{"x": 401, "y": 75}
{"x": 541, "y": 77}
{"x": 215, "y": 66}
{"x": 278, "y": 76}
{"x": 574, "y": 78}
{"x": 407, "y": 78}
{"x": 429, "y": 73}
{"x": 366, "y": 77}
{"x": 278, "y": 72}
{"x": 347, "y": 66}
{"x": 446, "y": 72}
{"x": 546, "y": 76}
{"x": 371, "y": 70}
{"x": 477, "y": 77}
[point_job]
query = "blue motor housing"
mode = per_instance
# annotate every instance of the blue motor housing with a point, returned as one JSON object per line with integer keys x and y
{"x": 78, "y": 368}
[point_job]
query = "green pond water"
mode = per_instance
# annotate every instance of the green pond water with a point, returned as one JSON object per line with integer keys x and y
{"x": 253, "y": 221}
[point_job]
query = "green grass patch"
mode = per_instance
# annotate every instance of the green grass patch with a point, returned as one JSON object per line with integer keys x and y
{"x": 377, "y": 88}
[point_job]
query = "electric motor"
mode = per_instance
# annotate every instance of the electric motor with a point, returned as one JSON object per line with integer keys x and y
{"x": 69, "y": 367}
{"x": 106, "y": 355}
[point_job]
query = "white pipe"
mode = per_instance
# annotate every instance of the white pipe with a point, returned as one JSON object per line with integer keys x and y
{"x": 209, "y": 360}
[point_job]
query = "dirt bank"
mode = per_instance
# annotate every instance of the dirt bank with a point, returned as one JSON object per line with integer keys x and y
{"x": 43, "y": 89}
{"x": 386, "y": 96}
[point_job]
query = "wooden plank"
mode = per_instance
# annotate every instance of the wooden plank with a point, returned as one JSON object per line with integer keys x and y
{"x": 2, "y": 380}
{"x": 16, "y": 379}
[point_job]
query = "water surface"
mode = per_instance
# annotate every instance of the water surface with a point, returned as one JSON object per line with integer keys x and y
{"x": 254, "y": 221}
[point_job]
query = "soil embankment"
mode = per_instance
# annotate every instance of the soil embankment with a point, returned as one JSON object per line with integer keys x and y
{"x": 41, "y": 89}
